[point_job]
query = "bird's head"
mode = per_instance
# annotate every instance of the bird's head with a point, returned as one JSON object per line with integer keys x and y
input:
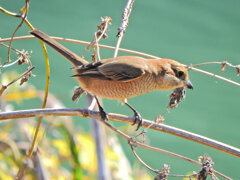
{"x": 181, "y": 73}
{"x": 172, "y": 75}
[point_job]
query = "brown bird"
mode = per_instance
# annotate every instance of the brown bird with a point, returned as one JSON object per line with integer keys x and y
{"x": 122, "y": 77}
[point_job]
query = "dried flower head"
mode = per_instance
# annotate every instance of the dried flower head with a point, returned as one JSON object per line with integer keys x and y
{"x": 27, "y": 75}
{"x": 163, "y": 174}
{"x": 176, "y": 97}
{"x": 77, "y": 93}
{"x": 207, "y": 164}
{"x": 102, "y": 31}
{"x": 24, "y": 57}
{"x": 159, "y": 119}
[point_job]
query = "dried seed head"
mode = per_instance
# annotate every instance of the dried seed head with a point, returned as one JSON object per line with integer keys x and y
{"x": 77, "y": 93}
{"x": 93, "y": 56}
{"x": 159, "y": 119}
{"x": 23, "y": 57}
{"x": 99, "y": 33}
{"x": 26, "y": 76}
{"x": 163, "y": 174}
{"x": 207, "y": 165}
{"x": 223, "y": 67}
{"x": 176, "y": 97}
{"x": 105, "y": 21}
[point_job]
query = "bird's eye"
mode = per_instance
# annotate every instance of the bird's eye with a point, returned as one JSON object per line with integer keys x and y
{"x": 180, "y": 73}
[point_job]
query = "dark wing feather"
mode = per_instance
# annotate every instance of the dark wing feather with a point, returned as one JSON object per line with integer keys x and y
{"x": 118, "y": 71}
{"x": 112, "y": 70}
{"x": 90, "y": 70}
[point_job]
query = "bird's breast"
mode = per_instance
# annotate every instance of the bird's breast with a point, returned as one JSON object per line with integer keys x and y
{"x": 118, "y": 90}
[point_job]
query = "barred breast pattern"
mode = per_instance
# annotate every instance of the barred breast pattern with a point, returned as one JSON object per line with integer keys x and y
{"x": 121, "y": 90}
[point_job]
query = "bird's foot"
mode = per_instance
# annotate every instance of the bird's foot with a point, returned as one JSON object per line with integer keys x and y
{"x": 103, "y": 114}
{"x": 137, "y": 119}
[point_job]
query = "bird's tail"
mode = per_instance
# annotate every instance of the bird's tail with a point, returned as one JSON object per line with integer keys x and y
{"x": 72, "y": 57}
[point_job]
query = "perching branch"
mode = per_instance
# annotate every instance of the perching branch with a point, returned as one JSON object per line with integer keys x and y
{"x": 127, "y": 51}
{"x": 126, "y": 119}
{"x": 122, "y": 118}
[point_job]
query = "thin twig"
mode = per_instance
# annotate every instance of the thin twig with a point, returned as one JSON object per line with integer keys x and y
{"x": 125, "y": 20}
{"x": 103, "y": 27}
{"x": 223, "y": 65}
{"x": 215, "y": 62}
{"x": 21, "y": 23}
{"x": 127, "y": 51}
{"x": 97, "y": 49}
{"x": 140, "y": 160}
{"x": 23, "y": 55}
{"x": 4, "y": 87}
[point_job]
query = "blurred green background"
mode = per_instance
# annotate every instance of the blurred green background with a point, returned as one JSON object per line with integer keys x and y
{"x": 190, "y": 31}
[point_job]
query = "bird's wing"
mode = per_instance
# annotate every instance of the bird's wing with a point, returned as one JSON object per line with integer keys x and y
{"x": 119, "y": 71}
{"x": 116, "y": 70}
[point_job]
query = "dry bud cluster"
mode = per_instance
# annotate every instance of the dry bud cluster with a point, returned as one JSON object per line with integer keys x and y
{"x": 176, "y": 97}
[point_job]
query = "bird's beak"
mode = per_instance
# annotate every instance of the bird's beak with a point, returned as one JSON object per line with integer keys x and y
{"x": 188, "y": 84}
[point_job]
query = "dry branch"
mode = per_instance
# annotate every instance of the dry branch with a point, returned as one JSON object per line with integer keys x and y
{"x": 122, "y": 118}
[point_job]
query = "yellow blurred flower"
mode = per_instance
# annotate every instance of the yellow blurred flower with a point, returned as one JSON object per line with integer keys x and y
{"x": 49, "y": 162}
{"x": 18, "y": 96}
{"x": 87, "y": 153}
{"x": 62, "y": 146}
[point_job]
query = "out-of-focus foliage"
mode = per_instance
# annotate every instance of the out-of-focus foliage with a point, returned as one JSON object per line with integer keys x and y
{"x": 55, "y": 158}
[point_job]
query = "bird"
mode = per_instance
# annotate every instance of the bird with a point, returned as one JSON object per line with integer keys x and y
{"x": 122, "y": 77}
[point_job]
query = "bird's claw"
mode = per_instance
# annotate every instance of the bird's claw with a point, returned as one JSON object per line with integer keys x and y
{"x": 137, "y": 119}
{"x": 103, "y": 114}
